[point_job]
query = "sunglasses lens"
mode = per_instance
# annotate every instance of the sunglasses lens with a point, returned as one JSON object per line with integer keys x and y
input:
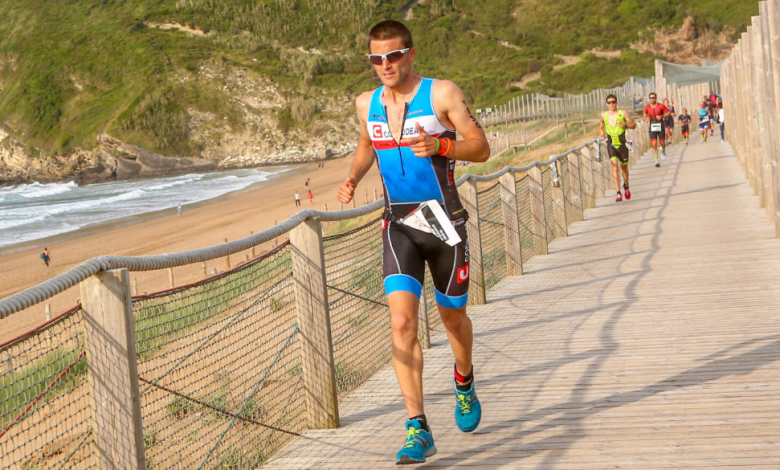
{"x": 611, "y": 102}
{"x": 394, "y": 57}
{"x": 375, "y": 59}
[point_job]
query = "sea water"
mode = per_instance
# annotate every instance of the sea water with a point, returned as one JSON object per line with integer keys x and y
{"x": 34, "y": 211}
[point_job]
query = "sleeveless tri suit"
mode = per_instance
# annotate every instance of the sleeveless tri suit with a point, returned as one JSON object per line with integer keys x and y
{"x": 408, "y": 181}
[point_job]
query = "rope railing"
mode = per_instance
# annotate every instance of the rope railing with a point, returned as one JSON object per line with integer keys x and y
{"x": 223, "y": 372}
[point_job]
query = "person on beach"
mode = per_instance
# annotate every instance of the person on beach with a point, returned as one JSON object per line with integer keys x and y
{"x": 45, "y": 256}
{"x": 179, "y": 210}
{"x": 310, "y": 196}
{"x": 613, "y": 126}
{"x": 297, "y": 199}
{"x": 410, "y": 124}
{"x": 306, "y": 184}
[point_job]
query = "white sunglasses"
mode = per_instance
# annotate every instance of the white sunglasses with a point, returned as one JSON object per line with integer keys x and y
{"x": 392, "y": 56}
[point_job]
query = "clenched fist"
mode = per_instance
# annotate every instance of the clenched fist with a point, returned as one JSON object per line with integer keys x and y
{"x": 347, "y": 190}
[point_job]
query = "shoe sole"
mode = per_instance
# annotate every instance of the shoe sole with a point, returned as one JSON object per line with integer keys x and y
{"x": 406, "y": 460}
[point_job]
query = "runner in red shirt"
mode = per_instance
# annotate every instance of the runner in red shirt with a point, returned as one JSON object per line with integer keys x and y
{"x": 654, "y": 115}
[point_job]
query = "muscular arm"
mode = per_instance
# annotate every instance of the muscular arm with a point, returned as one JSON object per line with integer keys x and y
{"x": 364, "y": 154}
{"x": 454, "y": 112}
{"x": 602, "y": 131}
{"x": 630, "y": 124}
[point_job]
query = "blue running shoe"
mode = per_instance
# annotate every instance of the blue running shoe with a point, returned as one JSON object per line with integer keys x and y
{"x": 468, "y": 411}
{"x": 419, "y": 444}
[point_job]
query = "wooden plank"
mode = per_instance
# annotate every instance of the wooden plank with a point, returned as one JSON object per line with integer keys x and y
{"x": 511, "y": 217}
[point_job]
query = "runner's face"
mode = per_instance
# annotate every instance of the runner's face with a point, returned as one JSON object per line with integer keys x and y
{"x": 393, "y": 74}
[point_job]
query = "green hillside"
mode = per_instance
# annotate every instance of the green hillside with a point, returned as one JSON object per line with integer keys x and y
{"x": 72, "y": 69}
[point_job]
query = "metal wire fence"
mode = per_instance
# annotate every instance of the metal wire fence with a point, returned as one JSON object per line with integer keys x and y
{"x": 45, "y": 419}
{"x": 525, "y": 219}
{"x": 549, "y": 217}
{"x": 219, "y": 368}
{"x": 359, "y": 319}
{"x": 491, "y": 219}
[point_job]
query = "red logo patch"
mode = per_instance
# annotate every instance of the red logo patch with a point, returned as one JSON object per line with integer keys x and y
{"x": 463, "y": 274}
{"x": 378, "y": 131}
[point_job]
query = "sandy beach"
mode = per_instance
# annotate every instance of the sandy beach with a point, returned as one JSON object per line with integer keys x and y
{"x": 232, "y": 216}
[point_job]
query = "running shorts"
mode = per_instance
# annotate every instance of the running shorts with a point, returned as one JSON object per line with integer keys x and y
{"x": 669, "y": 122}
{"x": 704, "y": 124}
{"x": 659, "y": 134}
{"x": 685, "y": 130}
{"x": 405, "y": 252}
{"x": 620, "y": 153}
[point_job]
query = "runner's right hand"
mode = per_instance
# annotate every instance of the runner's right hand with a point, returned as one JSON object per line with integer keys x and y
{"x": 347, "y": 190}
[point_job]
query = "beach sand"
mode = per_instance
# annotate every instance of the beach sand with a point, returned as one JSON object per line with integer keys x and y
{"x": 232, "y": 217}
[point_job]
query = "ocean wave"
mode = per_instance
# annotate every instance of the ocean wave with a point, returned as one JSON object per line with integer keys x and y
{"x": 36, "y": 190}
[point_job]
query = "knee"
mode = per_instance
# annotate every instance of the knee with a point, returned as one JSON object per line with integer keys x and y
{"x": 404, "y": 326}
{"x": 452, "y": 319}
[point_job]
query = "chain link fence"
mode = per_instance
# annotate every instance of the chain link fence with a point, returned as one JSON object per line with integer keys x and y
{"x": 491, "y": 220}
{"x": 45, "y": 420}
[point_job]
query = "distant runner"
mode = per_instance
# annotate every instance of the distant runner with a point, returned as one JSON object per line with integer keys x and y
{"x": 613, "y": 126}
{"x": 654, "y": 115}
{"x": 45, "y": 256}
{"x": 297, "y": 199}
{"x": 704, "y": 120}
{"x": 712, "y": 107}
{"x": 669, "y": 123}
{"x": 721, "y": 116}
{"x": 410, "y": 124}
{"x": 685, "y": 121}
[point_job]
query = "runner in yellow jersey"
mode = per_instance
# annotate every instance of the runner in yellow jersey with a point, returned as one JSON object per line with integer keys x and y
{"x": 613, "y": 126}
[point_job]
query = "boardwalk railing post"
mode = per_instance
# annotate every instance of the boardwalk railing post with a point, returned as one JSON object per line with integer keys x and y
{"x": 469, "y": 196}
{"x": 538, "y": 222}
{"x": 575, "y": 186}
{"x": 113, "y": 371}
{"x": 586, "y": 173}
{"x": 559, "y": 202}
{"x": 311, "y": 296}
{"x": 423, "y": 329}
{"x": 773, "y": 20}
{"x": 599, "y": 178}
{"x": 514, "y": 253}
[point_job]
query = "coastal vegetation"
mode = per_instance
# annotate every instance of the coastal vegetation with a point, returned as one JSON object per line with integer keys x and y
{"x": 70, "y": 71}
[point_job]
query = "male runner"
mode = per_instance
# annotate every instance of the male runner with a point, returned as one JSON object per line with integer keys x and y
{"x": 669, "y": 123}
{"x": 712, "y": 107}
{"x": 685, "y": 121}
{"x": 613, "y": 126}
{"x": 704, "y": 120}
{"x": 654, "y": 115}
{"x": 411, "y": 123}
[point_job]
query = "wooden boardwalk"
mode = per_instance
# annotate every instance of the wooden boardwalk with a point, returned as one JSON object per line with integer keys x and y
{"x": 647, "y": 339}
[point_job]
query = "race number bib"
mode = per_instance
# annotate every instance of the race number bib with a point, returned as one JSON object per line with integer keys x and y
{"x": 429, "y": 217}
{"x": 655, "y": 127}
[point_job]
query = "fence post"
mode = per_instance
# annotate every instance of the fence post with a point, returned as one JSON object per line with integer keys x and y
{"x": 575, "y": 186}
{"x": 773, "y": 20}
{"x": 559, "y": 203}
{"x": 113, "y": 371}
{"x": 514, "y": 252}
{"x": 586, "y": 171}
{"x": 538, "y": 222}
{"x": 468, "y": 192}
{"x": 599, "y": 178}
{"x": 423, "y": 330}
{"x": 311, "y": 299}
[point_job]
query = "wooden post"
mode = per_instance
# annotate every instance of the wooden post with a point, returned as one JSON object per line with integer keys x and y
{"x": 48, "y": 318}
{"x": 559, "y": 204}
{"x": 135, "y": 286}
{"x": 586, "y": 172}
{"x": 538, "y": 221}
{"x": 599, "y": 181}
{"x": 423, "y": 330}
{"x": 773, "y": 20}
{"x": 170, "y": 277}
{"x": 468, "y": 193}
{"x": 252, "y": 250}
{"x": 113, "y": 371}
{"x": 326, "y": 207}
{"x": 227, "y": 259}
{"x": 575, "y": 186}
{"x": 205, "y": 273}
{"x": 514, "y": 251}
{"x": 311, "y": 295}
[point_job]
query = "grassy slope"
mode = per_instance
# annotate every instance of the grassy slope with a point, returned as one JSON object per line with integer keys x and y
{"x": 104, "y": 47}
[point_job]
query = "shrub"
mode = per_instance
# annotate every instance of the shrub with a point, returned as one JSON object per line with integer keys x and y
{"x": 302, "y": 110}
{"x": 160, "y": 118}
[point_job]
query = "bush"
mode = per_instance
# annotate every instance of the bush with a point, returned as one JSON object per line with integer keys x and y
{"x": 284, "y": 120}
{"x": 160, "y": 118}
{"x": 302, "y": 110}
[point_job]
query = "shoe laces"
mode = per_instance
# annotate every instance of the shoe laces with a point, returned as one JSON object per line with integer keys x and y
{"x": 464, "y": 403}
{"x": 413, "y": 438}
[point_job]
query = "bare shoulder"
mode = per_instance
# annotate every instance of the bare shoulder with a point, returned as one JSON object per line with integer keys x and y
{"x": 363, "y": 101}
{"x": 445, "y": 91}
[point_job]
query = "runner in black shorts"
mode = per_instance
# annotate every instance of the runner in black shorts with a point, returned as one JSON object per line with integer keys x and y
{"x": 613, "y": 126}
{"x": 405, "y": 252}
{"x": 685, "y": 121}
{"x": 654, "y": 114}
{"x": 669, "y": 123}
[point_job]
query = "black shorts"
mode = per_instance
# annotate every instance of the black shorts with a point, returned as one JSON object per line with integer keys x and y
{"x": 659, "y": 134}
{"x": 621, "y": 153}
{"x": 669, "y": 123}
{"x": 685, "y": 130}
{"x": 405, "y": 252}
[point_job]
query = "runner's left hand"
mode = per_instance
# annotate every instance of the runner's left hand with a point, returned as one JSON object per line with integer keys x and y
{"x": 424, "y": 145}
{"x": 622, "y": 124}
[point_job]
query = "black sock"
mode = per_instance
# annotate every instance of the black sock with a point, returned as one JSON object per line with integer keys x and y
{"x": 463, "y": 383}
{"x": 423, "y": 422}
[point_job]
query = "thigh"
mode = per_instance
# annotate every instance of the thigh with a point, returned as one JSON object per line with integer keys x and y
{"x": 449, "y": 266}
{"x": 403, "y": 265}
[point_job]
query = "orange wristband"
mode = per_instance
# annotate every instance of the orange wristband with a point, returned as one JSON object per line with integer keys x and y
{"x": 447, "y": 147}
